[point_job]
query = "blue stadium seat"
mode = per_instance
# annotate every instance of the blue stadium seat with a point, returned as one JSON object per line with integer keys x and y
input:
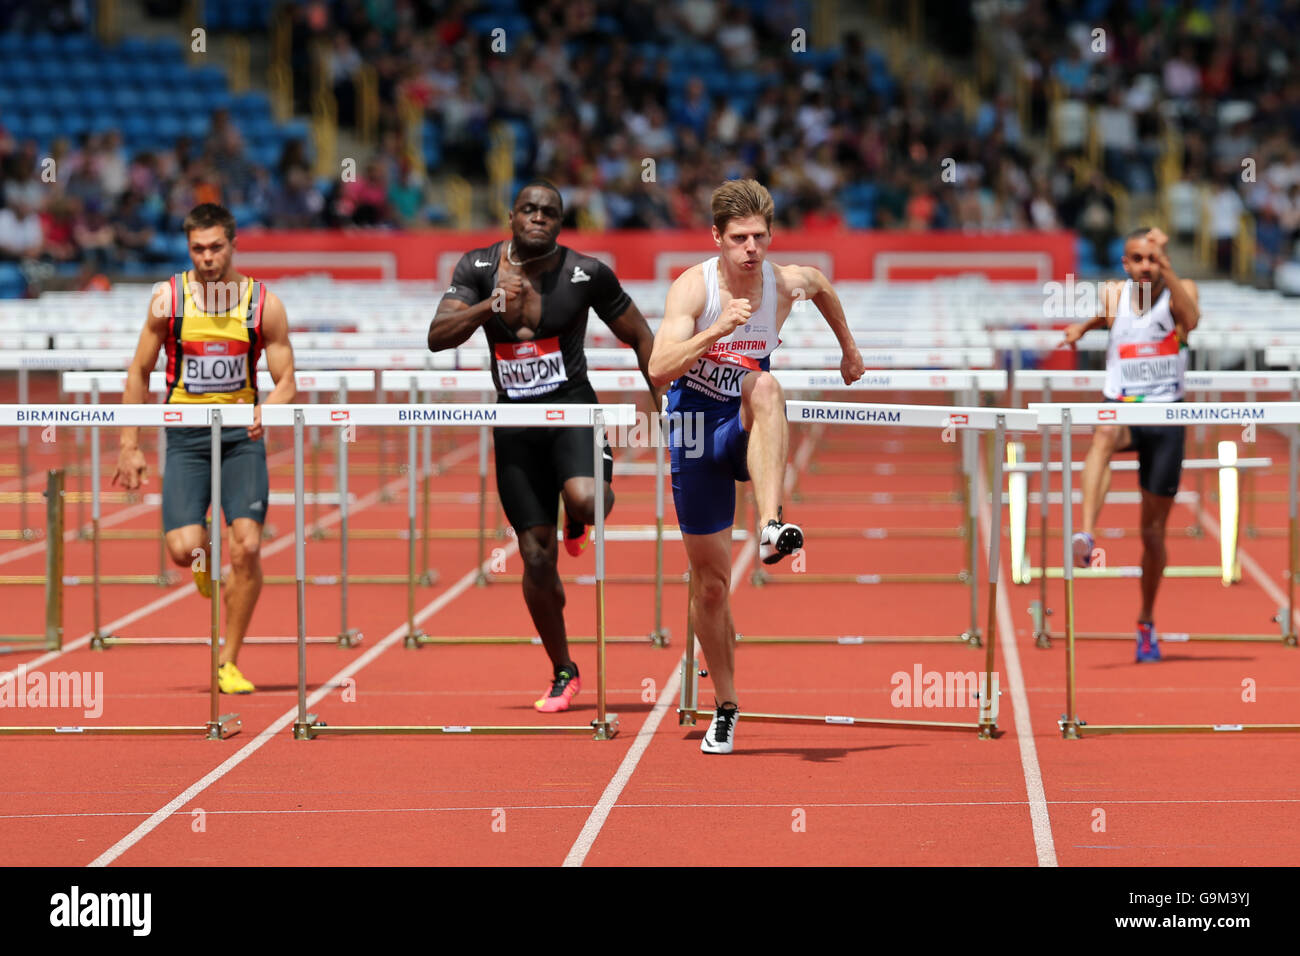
{"x": 12, "y": 283}
{"x": 859, "y": 217}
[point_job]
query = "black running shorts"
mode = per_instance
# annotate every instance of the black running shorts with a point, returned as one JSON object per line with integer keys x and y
{"x": 187, "y": 477}
{"x": 1160, "y": 457}
{"x": 532, "y": 466}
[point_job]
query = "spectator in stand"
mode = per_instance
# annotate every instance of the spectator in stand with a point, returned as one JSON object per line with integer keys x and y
{"x": 133, "y": 230}
{"x": 95, "y": 237}
{"x": 21, "y": 235}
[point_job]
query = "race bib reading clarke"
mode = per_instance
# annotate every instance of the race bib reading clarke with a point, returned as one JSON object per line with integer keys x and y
{"x": 214, "y": 366}
{"x": 527, "y": 369}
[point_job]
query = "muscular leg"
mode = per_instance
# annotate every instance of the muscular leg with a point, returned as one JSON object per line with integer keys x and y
{"x": 184, "y": 543}
{"x": 1155, "y": 513}
{"x": 543, "y": 591}
{"x": 245, "y": 584}
{"x": 710, "y": 557}
{"x": 1106, "y": 440}
{"x": 580, "y": 500}
{"x": 762, "y": 414}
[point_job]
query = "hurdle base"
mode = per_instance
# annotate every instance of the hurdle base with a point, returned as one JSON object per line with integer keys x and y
{"x": 686, "y": 718}
{"x": 314, "y": 727}
{"x": 1070, "y": 727}
{"x": 142, "y": 730}
{"x": 425, "y": 640}
{"x": 224, "y": 727}
{"x": 1083, "y": 728}
{"x": 606, "y": 729}
{"x": 839, "y": 721}
{"x": 972, "y": 638}
{"x": 350, "y": 638}
{"x": 1040, "y": 614}
{"x": 661, "y": 638}
{"x": 429, "y": 578}
{"x": 102, "y": 642}
{"x": 305, "y": 729}
{"x": 415, "y": 639}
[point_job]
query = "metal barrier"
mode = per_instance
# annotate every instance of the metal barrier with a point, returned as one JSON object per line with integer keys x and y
{"x": 1167, "y": 413}
{"x": 1000, "y": 421}
{"x": 308, "y": 726}
{"x": 218, "y": 726}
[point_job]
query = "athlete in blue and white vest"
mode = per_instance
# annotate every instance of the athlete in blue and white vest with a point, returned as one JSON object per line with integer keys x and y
{"x": 722, "y": 320}
{"x": 1150, "y": 317}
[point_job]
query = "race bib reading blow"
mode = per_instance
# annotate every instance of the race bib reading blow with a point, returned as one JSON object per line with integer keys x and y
{"x": 526, "y": 369}
{"x": 220, "y": 366}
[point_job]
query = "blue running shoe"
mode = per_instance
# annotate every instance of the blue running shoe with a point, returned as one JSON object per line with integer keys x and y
{"x": 1148, "y": 647}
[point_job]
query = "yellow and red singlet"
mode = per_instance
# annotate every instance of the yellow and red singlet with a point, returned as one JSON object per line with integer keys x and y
{"x": 212, "y": 356}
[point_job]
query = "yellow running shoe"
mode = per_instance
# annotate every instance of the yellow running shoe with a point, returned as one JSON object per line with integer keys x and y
{"x": 203, "y": 578}
{"x": 232, "y": 682}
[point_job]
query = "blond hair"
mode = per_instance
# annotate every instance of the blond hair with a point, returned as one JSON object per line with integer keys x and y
{"x": 740, "y": 199}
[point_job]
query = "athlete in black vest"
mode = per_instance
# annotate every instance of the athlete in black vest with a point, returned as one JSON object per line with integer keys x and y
{"x": 532, "y": 296}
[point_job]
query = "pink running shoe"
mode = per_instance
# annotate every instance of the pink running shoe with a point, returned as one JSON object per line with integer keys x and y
{"x": 564, "y": 688}
{"x": 576, "y": 537}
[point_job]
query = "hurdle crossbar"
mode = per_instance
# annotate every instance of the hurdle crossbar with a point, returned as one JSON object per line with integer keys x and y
{"x": 1067, "y": 416}
{"x": 309, "y": 725}
{"x": 218, "y": 726}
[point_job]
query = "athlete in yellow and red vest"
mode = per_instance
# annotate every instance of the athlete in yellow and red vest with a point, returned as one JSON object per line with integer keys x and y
{"x": 214, "y": 324}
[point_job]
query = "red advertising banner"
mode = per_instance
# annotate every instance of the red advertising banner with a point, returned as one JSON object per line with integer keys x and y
{"x": 897, "y": 256}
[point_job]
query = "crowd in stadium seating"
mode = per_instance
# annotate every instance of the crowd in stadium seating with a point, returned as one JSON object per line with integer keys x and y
{"x": 1224, "y": 74}
{"x": 640, "y": 108}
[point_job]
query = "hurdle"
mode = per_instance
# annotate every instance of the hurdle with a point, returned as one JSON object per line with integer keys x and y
{"x": 1163, "y": 413}
{"x": 308, "y": 726}
{"x": 1233, "y": 484}
{"x": 966, "y": 384}
{"x": 218, "y": 726}
{"x": 114, "y": 382}
{"x": 479, "y": 382}
{"x": 998, "y": 420}
{"x": 52, "y": 640}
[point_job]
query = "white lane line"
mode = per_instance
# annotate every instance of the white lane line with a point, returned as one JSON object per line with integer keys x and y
{"x": 1039, "y": 818}
{"x": 182, "y": 591}
{"x": 600, "y": 813}
{"x": 288, "y": 717}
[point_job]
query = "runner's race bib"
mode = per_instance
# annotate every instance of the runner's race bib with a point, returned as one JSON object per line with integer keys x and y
{"x": 220, "y": 366}
{"x": 526, "y": 369}
{"x": 719, "y": 372}
{"x": 1151, "y": 369}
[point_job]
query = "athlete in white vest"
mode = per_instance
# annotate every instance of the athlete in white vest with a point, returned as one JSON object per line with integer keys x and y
{"x": 722, "y": 319}
{"x": 1150, "y": 317}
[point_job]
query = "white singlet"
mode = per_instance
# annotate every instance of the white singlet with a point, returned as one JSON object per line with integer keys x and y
{"x": 721, "y": 370}
{"x": 1145, "y": 362}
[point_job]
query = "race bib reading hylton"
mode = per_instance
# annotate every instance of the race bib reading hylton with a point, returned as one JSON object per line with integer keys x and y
{"x": 528, "y": 369}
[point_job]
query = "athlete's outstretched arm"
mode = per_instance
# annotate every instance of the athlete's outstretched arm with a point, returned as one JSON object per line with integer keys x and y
{"x": 632, "y": 329}
{"x": 1183, "y": 295}
{"x": 814, "y": 284}
{"x": 677, "y": 345}
{"x": 132, "y": 470}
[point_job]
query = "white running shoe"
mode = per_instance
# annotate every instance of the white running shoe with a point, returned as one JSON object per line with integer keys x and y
{"x": 778, "y": 539}
{"x": 1083, "y": 547}
{"x": 721, "y": 736}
